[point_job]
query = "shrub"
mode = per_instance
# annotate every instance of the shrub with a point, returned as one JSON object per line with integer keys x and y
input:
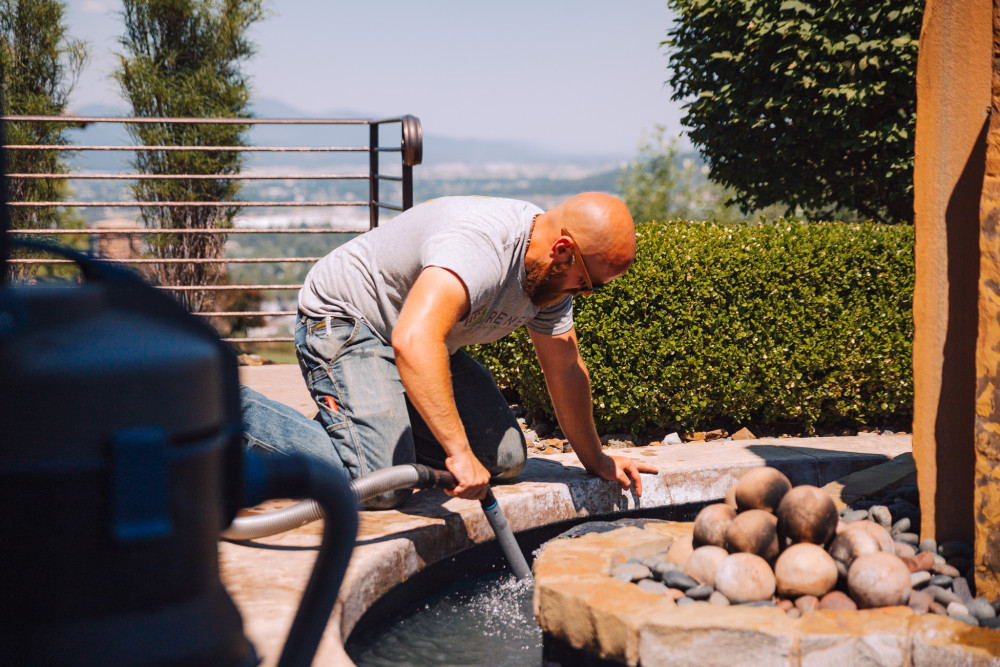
{"x": 782, "y": 323}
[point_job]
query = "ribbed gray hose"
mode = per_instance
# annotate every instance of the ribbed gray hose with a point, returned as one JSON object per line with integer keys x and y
{"x": 406, "y": 476}
{"x": 307, "y": 511}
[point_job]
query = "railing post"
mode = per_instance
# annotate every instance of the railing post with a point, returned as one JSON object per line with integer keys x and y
{"x": 372, "y": 175}
{"x": 413, "y": 153}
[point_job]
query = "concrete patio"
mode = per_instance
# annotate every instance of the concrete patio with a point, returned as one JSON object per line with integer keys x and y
{"x": 266, "y": 577}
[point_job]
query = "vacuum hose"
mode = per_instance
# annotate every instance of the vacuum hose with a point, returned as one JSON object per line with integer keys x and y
{"x": 407, "y": 476}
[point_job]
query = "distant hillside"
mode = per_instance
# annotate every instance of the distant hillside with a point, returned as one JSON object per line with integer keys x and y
{"x": 437, "y": 149}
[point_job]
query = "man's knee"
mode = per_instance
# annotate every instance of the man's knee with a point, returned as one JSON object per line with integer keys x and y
{"x": 512, "y": 455}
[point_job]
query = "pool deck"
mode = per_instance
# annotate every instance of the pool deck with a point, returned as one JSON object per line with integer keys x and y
{"x": 266, "y": 577}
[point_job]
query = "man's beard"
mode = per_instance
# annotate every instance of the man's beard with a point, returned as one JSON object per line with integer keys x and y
{"x": 542, "y": 283}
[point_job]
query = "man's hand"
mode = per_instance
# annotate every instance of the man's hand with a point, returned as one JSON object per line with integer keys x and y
{"x": 623, "y": 470}
{"x": 473, "y": 479}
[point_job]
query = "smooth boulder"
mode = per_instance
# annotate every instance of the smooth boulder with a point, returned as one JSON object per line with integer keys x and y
{"x": 704, "y": 561}
{"x": 806, "y": 514}
{"x": 878, "y": 580}
{"x": 711, "y": 523}
{"x": 761, "y": 489}
{"x": 754, "y": 532}
{"x": 744, "y": 577}
{"x": 805, "y": 569}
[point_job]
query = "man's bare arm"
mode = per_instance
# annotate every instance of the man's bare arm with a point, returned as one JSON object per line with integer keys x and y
{"x": 568, "y": 384}
{"x": 437, "y": 301}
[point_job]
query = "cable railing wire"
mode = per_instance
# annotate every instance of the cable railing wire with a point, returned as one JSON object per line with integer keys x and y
{"x": 410, "y": 149}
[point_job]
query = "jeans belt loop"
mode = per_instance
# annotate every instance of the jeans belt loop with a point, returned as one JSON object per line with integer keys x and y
{"x": 326, "y": 322}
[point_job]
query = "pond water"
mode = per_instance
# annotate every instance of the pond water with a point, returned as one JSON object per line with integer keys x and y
{"x": 485, "y": 620}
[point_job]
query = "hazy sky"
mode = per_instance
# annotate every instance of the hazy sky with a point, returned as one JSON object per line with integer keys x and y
{"x": 575, "y": 75}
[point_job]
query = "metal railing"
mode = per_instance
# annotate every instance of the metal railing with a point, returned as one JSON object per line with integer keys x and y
{"x": 410, "y": 148}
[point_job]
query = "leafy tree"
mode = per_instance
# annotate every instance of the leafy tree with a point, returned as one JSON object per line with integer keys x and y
{"x": 39, "y": 66}
{"x": 661, "y": 185}
{"x": 182, "y": 58}
{"x": 808, "y": 105}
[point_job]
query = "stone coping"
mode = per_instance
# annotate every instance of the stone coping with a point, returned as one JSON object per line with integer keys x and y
{"x": 266, "y": 577}
{"x": 578, "y": 602}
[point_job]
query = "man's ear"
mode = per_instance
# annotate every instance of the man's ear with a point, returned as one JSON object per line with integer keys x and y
{"x": 562, "y": 250}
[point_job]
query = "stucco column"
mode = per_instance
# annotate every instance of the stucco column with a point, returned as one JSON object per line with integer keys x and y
{"x": 987, "y": 497}
{"x": 954, "y": 73}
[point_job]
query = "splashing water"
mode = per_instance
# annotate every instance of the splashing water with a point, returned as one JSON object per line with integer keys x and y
{"x": 486, "y": 620}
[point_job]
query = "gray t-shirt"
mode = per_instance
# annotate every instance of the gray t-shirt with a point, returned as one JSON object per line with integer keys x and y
{"x": 482, "y": 240}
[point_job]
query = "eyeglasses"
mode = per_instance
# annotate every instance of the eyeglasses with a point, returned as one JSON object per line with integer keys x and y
{"x": 591, "y": 287}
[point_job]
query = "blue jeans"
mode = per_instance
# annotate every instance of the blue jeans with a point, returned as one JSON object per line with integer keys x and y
{"x": 365, "y": 421}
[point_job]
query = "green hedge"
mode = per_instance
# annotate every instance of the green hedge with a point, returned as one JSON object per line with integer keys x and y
{"x": 786, "y": 324}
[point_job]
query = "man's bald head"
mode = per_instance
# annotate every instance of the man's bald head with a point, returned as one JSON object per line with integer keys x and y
{"x": 601, "y": 225}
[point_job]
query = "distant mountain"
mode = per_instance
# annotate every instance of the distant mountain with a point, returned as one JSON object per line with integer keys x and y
{"x": 437, "y": 149}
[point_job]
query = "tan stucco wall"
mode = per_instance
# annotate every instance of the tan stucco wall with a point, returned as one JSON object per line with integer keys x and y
{"x": 953, "y": 93}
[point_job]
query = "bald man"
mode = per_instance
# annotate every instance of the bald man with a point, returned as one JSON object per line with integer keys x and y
{"x": 382, "y": 320}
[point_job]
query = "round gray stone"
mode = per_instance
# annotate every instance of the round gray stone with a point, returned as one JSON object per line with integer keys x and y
{"x": 651, "y": 586}
{"x": 964, "y": 618}
{"x": 981, "y": 609}
{"x": 699, "y": 592}
{"x": 854, "y": 515}
{"x": 630, "y": 572}
{"x": 881, "y": 515}
{"x": 663, "y": 567}
{"x": 675, "y": 579}
{"x": 928, "y": 545}
{"x": 942, "y": 580}
{"x": 900, "y": 526}
{"x": 718, "y": 599}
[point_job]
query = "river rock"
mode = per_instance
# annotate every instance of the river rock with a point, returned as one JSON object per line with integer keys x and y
{"x": 908, "y": 538}
{"x": 651, "y": 586}
{"x": 850, "y": 544}
{"x": 699, "y": 592}
{"x": 711, "y": 523}
{"x": 919, "y": 578}
{"x": 754, "y": 531}
{"x": 805, "y": 569}
{"x": 960, "y": 587}
{"x": 837, "y": 600}
{"x": 930, "y": 544}
{"x": 806, "y": 514}
{"x": 703, "y": 562}
{"x": 878, "y": 580}
{"x": 745, "y": 577}
{"x": 806, "y": 603}
{"x": 904, "y": 550}
{"x": 852, "y": 516}
{"x": 920, "y": 602}
{"x": 981, "y": 609}
{"x": 679, "y": 580}
{"x": 630, "y": 572}
{"x": 718, "y": 599}
{"x": 945, "y": 569}
{"x": 761, "y": 489}
{"x": 900, "y": 526}
{"x": 881, "y": 515}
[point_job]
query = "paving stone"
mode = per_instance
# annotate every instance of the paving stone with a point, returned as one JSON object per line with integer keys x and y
{"x": 848, "y": 638}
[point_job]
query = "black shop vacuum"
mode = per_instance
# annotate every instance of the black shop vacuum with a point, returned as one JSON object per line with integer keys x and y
{"x": 120, "y": 465}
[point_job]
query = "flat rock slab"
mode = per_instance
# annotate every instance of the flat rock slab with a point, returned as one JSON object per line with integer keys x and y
{"x": 266, "y": 577}
{"x": 576, "y": 602}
